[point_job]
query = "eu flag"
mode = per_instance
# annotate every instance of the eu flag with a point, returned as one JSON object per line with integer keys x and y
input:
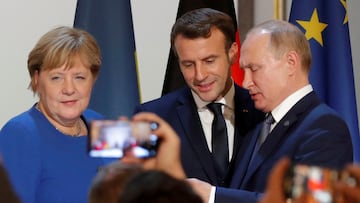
{"x": 116, "y": 91}
{"x": 325, "y": 24}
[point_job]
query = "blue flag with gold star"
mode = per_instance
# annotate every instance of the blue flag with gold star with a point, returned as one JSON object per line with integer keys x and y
{"x": 325, "y": 24}
{"x": 116, "y": 91}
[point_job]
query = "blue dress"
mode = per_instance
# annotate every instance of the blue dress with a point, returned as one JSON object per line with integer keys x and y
{"x": 44, "y": 165}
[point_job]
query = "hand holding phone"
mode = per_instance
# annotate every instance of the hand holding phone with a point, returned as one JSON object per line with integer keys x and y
{"x": 313, "y": 184}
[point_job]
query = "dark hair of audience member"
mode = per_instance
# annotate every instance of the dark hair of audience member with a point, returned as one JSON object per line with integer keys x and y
{"x": 157, "y": 187}
{"x": 109, "y": 182}
{"x": 7, "y": 193}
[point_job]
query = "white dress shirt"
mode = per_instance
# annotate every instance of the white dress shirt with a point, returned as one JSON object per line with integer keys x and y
{"x": 278, "y": 113}
{"x": 206, "y": 117}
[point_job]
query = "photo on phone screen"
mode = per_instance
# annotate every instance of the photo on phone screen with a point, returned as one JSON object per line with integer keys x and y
{"x": 110, "y": 138}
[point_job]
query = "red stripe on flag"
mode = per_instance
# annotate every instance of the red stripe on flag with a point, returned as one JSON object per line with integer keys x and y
{"x": 237, "y": 73}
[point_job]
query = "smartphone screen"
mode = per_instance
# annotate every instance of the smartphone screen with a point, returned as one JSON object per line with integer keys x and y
{"x": 109, "y": 138}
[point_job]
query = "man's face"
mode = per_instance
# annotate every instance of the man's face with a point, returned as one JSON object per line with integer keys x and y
{"x": 206, "y": 65}
{"x": 265, "y": 76}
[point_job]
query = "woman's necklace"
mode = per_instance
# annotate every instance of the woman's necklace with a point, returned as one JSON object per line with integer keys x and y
{"x": 78, "y": 126}
{"x": 77, "y": 134}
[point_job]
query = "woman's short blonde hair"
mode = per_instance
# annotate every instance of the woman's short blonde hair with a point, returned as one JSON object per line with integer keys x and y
{"x": 61, "y": 46}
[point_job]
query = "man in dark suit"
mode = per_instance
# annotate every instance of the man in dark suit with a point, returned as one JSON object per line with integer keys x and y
{"x": 204, "y": 42}
{"x": 276, "y": 59}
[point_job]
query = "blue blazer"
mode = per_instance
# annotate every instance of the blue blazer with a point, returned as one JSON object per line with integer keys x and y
{"x": 310, "y": 133}
{"x": 179, "y": 110}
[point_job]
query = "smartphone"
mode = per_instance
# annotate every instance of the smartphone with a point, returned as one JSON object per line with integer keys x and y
{"x": 314, "y": 184}
{"x": 114, "y": 138}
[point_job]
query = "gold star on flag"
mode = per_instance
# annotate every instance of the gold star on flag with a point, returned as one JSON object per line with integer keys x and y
{"x": 313, "y": 28}
{"x": 346, "y": 19}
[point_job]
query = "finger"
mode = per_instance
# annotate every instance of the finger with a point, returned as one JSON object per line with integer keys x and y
{"x": 275, "y": 190}
{"x": 277, "y": 175}
{"x": 123, "y": 118}
{"x": 130, "y": 159}
{"x": 275, "y": 184}
{"x": 151, "y": 117}
{"x": 354, "y": 170}
{"x": 350, "y": 193}
{"x": 147, "y": 116}
{"x": 164, "y": 130}
{"x": 150, "y": 164}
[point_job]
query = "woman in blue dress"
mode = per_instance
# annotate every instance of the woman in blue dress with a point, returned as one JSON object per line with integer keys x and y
{"x": 44, "y": 149}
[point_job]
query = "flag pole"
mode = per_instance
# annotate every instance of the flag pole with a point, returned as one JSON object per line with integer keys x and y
{"x": 279, "y": 8}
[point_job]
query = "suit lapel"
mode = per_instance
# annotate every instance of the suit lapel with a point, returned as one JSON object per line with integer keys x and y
{"x": 244, "y": 157}
{"x": 281, "y": 130}
{"x": 239, "y": 123}
{"x": 244, "y": 120}
{"x": 189, "y": 118}
{"x": 270, "y": 145}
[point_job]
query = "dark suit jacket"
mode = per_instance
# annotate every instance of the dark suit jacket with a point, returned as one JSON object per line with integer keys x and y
{"x": 310, "y": 133}
{"x": 179, "y": 110}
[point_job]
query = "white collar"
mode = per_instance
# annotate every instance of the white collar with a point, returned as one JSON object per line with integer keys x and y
{"x": 279, "y": 112}
{"x": 227, "y": 100}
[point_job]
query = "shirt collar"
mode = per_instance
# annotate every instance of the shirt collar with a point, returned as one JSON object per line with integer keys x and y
{"x": 279, "y": 112}
{"x": 227, "y": 100}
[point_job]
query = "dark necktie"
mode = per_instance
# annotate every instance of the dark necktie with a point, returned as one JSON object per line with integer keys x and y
{"x": 265, "y": 130}
{"x": 219, "y": 139}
